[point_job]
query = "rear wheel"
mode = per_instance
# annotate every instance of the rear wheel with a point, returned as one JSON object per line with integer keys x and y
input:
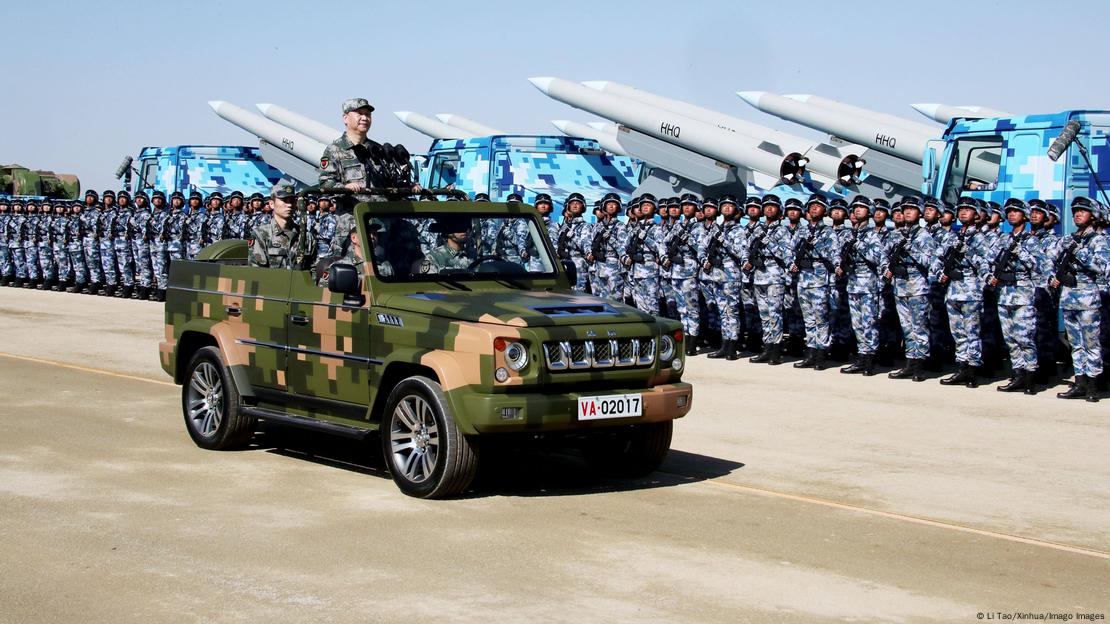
{"x": 633, "y": 451}
{"x": 426, "y": 453}
{"x": 210, "y": 403}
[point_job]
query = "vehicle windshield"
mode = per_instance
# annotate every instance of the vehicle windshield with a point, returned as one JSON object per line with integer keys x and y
{"x": 450, "y": 245}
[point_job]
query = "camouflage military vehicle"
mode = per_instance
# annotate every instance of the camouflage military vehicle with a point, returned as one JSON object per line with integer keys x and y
{"x": 17, "y": 180}
{"x": 441, "y": 344}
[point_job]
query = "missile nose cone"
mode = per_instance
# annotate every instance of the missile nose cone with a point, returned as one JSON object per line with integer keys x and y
{"x": 216, "y": 104}
{"x": 444, "y": 117}
{"x": 543, "y": 83}
{"x": 929, "y": 110}
{"x": 264, "y": 107}
{"x": 402, "y": 115}
{"x": 561, "y": 124}
{"x": 596, "y": 84}
{"x": 751, "y": 97}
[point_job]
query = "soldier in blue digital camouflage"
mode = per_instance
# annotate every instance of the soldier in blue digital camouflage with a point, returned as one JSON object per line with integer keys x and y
{"x": 793, "y": 326}
{"x": 568, "y": 239}
{"x": 59, "y": 231}
{"x": 1046, "y": 302}
{"x": 722, "y": 254}
{"x": 941, "y": 346}
{"x": 90, "y": 241}
{"x": 816, "y": 254}
{"x": 1102, "y": 227}
{"x": 890, "y": 330}
{"x": 121, "y": 244}
{"x": 642, "y": 252}
{"x": 768, "y": 257}
{"x": 177, "y": 224}
{"x": 15, "y": 242}
{"x": 962, "y": 266}
{"x": 276, "y": 244}
{"x": 140, "y": 244}
{"x": 196, "y": 217}
{"x": 860, "y": 259}
{"x": 75, "y": 235}
{"x": 993, "y": 345}
{"x": 670, "y": 213}
{"x": 682, "y": 258}
{"x": 215, "y": 226}
{"x": 47, "y": 267}
{"x": 752, "y": 228}
{"x": 1016, "y": 266}
{"x": 907, "y": 267}
{"x": 7, "y": 268}
{"x": 158, "y": 233}
{"x": 510, "y": 236}
{"x": 606, "y": 243}
{"x": 530, "y": 254}
{"x": 106, "y": 223}
{"x": 236, "y": 216}
{"x": 710, "y": 280}
{"x": 31, "y": 244}
{"x": 1083, "y": 259}
{"x": 840, "y": 319}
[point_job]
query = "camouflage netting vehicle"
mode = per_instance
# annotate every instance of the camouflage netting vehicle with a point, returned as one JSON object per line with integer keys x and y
{"x": 433, "y": 348}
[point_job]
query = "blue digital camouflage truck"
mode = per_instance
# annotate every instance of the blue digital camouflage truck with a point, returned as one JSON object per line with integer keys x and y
{"x": 1002, "y": 157}
{"x": 203, "y": 168}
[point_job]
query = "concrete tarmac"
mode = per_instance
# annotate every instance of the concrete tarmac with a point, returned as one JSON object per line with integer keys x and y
{"x": 789, "y": 496}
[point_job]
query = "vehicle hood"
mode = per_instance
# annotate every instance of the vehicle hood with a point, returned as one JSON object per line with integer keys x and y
{"x": 517, "y": 309}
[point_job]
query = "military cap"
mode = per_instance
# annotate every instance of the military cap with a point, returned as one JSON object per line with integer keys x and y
{"x": 236, "y": 193}
{"x": 672, "y": 202}
{"x": 374, "y": 224}
{"x": 514, "y": 197}
{"x": 911, "y": 202}
{"x": 355, "y": 104}
{"x": 575, "y": 197}
{"x": 793, "y": 203}
{"x": 770, "y": 199}
{"x": 933, "y": 202}
{"x": 285, "y": 188}
{"x": 896, "y": 206}
{"x": 984, "y": 209}
{"x": 967, "y": 202}
{"x": 727, "y": 199}
{"x": 481, "y": 197}
{"x": 611, "y": 197}
{"x": 123, "y": 194}
{"x": 1015, "y": 203}
{"x": 91, "y": 193}
{"x": 109, "y": 193}
{"x": 689, "y": 198}
{"x": 177, "y": 195}
{"x": 1085, "y": 203}
{"x": 158, "y": 194}
{"x": 995, "y": 207}
{"x": 196, "y": 195}
{"x": 216, "y": 195}
{"x": 838, "y": 203}
{"x": 861, "y": 200}
{"x": 541, "y": 198}
{"x": 646, "y": 198}
{"x": 817, "y": 198}
{"x": 1046, "y": 207}
{"x": 142, "y": 194}
{"x": 878, "y": 204}
{"x": 946, "y": 207}
{"x": 255, "y": 196}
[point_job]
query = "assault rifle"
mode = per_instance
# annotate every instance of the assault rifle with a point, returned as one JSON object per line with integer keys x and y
{"x": 1002, "y": 269}
{"x": 952, "y": 258}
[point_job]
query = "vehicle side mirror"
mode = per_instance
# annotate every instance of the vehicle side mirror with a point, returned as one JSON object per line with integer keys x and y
{"x": 343, "y": 279}
{"x": 928, "y": 168}
{"x": 571, "y": 271}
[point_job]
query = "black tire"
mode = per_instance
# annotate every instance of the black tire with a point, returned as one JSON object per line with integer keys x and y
{"x": 210, "y": 404}
{"x": 632, "y": 451}
{"x": 425, "y": 463}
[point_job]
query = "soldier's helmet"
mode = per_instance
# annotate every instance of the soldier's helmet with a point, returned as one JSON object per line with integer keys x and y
{"x": 727, "y": 199}
{"x": 1085, "y": 203}
{"x": 157, "y": 194}
{"x": 932, "y": 202}
{"x": 260, "y": 197}
{"x": 542, "y": 198}
{"x": 611, "y": 197}
{"x": 1047, "y": 208}
{"x": 752, "y": 200}
{"x": 575, "y": 197}
{"x": 123, "y": 195}
{"x": 878, "y": 204}
{"x": 911, "y": 202}
{"x": 236, "y": 193}
{"x": 196, "y": 195}
{"x": 770, "y": 199}
{"x": 143, "y": 195}
{"x": 481, "y": 197}
{"x": 108, "y": 193}
{"x": 817, "y": 198}
{"x": 968, "y": 202}
{"x": 945, "y": 207}
{"x": 647, "y": 198}
{"x": 514, "y": 197}
{"x": 861, "y": 201}
{"x": 995, "y": 208}
{"x": 672, "y": 202}
{"x": 177, "y": 195}
{"x": 689, "y": 198}
{"x": 91, "y": 193}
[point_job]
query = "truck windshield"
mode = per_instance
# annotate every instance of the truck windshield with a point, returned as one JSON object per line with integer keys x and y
{"x": 973, "y": 166}
{"x": 454, "y": 245}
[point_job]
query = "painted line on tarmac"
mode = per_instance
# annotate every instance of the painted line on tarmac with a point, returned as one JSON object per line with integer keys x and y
{"x": 1079, "y": 550}
{"x": 940, "y": 524}
{"x": 86, "y": 369}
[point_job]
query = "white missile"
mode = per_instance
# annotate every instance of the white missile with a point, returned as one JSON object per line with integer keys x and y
{"x": 431, "y": 127}
{"x": 287, "y": 140}
{"x": 874, "y": 134}
{"x": 848, "y": 109}
{"x": 695, "y": 136}
{"x": 607, "y": 127}
{"x": 608, "y": 142}
{"x": 306, "y": 126}
{"x": 468, "y": 125}
{"x": 943, "y": 113}
{"x": 765, "y": 138}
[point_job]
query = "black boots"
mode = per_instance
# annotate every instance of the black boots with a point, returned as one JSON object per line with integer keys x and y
{"x": 1022, "y": 382}
{"x": 863, "y": 365}
{"x": 964, "y": 375}
{"x": 1084, "y": 388}
{"x": 772, "y": 354}
{"x": 914, "y": 369}
{"x": 727, "y": 350}
{"x": 807, "y": 361}
{"x": 691, "y": 345}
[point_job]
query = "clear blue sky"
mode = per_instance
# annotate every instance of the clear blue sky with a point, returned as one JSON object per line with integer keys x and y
{"x": 87, "y": 83}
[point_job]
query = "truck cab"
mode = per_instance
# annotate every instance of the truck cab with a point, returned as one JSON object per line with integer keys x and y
{"x": 204, "y": 168}
{"x": 997, "y": 158}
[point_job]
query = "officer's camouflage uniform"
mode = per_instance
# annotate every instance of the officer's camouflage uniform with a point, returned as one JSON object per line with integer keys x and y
{"x": 444, "y": 257}
{"x": 911, "y": 289}
{"x": 121, "y": 246}
{"x": 106, "y": 232}
{"x": 644, "y": 248}
{"x": 684, "y": 239}
{"x": 770, "y": 255}
{"x": 865, "y": 255}
{"x": 816, "y": 256}
{"x": 343, "y": 163}
{"x": 31, "y": 246}
{"x": 1081, "y": 302}
{"x": 276, "y": 248}
{"x": 606, "y": 242}
{"x": 75, "y": 234}
{"x": 1016, "y": 283}
{"x": 964, "y": 294}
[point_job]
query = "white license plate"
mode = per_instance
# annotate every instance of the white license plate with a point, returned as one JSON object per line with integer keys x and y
{"x": 612, "y": 406}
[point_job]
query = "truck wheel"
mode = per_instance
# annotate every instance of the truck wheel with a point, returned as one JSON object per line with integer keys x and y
{"x": 210, "y": 403}
{"x": 426, "y": 453}
{"x": 635, "y": 451}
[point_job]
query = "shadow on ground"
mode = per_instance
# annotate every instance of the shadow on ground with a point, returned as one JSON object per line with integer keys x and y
{"x": 524, "y": 468}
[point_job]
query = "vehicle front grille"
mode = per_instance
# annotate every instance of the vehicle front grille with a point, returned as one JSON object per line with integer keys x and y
{"x": 570, "y": 355}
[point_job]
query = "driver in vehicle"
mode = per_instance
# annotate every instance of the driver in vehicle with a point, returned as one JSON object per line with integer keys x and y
{"x": 454, "y": 253}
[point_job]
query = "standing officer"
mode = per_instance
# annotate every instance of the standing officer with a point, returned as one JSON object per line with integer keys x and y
{"x": 177, "y": 226}
{"x": 158, "y": 233}
{"x": 682, "y": 258}
{"x": 30, "y": 240}
{"x": 195, "y": 222}
{"x": 1046, "y": 301}
{"x": 860, "y": 259}
{"x": 7, "y": 269}
{"x": 47, "y": 267}
{"x": 1016, "y": 266}
{"x": 121, "y": 244}
{"x": 276, "y": 244}
{"x": 840, "y": 319}
{"x": 768, "y": 257}
{"x": 349, "y": 161}
{"x": 106, "y": 224}
{"x": 75, "y": 235}
{"x": 816, "y": 253}
{"x": 604, "y": 252}
{"x": 642, "y": 251}
{"x": 907, "y": 268}
{"x": 962, "y": 266}
{"x": 711, "y": 279}
{"x": 59, "y": 234}
{"x": 90, "y": 217}
{"x": 1083, "y": 260}
{"x": 569, "y": 241}
{"x": 15, "y": 243}
{"x": 140, "y": 243}
{"x": 671, "y": 219}
{"x": 729, "y": 249}
{"x": 753, "y": 228}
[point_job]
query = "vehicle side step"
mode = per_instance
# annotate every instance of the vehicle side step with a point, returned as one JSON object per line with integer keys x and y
{"x": 305, "y": 422}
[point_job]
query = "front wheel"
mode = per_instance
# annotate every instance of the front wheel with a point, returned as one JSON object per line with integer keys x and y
{"x": 210, "y": 403}
{"x": 426, "y": 453}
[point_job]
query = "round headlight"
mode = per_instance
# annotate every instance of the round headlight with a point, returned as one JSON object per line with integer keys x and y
{"x": 516, "y": 356}
{"x": 666, "y": 347}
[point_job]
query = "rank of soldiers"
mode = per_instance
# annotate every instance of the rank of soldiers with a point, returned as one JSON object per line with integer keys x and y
{"x": 861, "y": 282}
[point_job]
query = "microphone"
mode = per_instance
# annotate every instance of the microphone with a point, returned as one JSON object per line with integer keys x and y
{"x": 124, "y": 166}
{"x": 1066, "y": 138}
